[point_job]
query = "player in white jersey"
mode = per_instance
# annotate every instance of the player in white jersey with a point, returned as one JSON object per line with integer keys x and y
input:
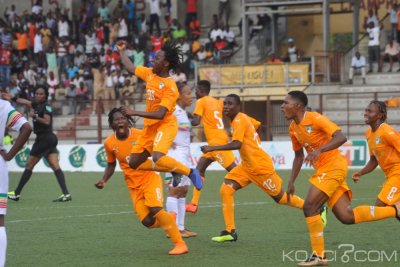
{"x": 9, "y": 118}
{"x": 180, "y": 150}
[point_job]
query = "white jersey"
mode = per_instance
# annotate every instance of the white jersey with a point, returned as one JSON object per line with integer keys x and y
{"x": 9, "y": 118}
{"x": 183, "y": 136}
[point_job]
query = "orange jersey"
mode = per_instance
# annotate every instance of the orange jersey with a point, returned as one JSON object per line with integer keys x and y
{"x": 256, "y": 160}
{"x": 314, "y": 131}
{"x": 159, "y": 92}
{"x": 384, "y": 144}
{"x": 210, "y": 111}
{"x": 121, "y": 150}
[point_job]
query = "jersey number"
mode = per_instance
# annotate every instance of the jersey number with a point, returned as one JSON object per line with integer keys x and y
{"x": 257, "y": 139}
{"x": 150, "y": 94}
{"x": 391, "y": 193}
{"x": 220, "y": 123}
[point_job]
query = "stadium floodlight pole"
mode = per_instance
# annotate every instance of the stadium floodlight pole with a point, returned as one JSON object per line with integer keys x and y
{"x": 326, "y": 34}
{"x": 245, "y": 33}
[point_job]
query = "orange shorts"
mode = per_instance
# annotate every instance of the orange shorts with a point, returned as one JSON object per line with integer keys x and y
{"x": 390, "y": 192}
{"x": 147, "y": 196}
{"x": 332, "y": 181}
{"x": 157, "y": 137}
{"x": 224, "y": 157}
{"x": 269, "y": 183}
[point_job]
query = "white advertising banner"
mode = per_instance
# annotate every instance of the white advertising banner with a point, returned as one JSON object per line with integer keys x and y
{"x": 92, "y": 158}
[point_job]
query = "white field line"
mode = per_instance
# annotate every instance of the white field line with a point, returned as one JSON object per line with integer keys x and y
{"x": 205, "y": 205}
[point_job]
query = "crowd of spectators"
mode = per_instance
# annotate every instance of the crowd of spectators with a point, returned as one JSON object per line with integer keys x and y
{"x": 74, "y": 56}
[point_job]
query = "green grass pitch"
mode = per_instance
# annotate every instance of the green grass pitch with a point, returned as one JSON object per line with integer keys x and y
{"x": 99, "y": 228}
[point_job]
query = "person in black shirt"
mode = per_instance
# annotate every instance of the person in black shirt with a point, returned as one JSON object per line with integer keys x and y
{"x": 45, "y": 144}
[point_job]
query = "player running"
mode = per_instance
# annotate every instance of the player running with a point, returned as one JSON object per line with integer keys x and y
{"x": 208, "y": 110}
{"x": 145, "y": 187}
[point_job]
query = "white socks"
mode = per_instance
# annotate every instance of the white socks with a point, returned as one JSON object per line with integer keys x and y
{"x": 177, "y": 205}
{"x": 3, "y": 246}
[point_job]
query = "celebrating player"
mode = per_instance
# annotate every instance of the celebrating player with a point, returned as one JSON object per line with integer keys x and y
{"x": 384, "y": 148}
{"x": 321, "y": 139}
{"x": 9, "y": 118}
{"x": 180, "y": 150}
{"x": 209, "y": 111}
{"x": 160, "y": 124}
{"x": 145, "y": 187}
{"x": 256, "y": 167}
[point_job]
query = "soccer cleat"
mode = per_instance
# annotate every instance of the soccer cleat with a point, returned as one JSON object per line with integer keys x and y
{"x": 176, "y": 178}
{"x": 186, "y": 233}
{"x": 63, "y": 198}
{"x": 180, "y": 248}
{"x": 191, "y": 208}
{"x": 225, "y": 236}
{"x": 323, "y": 212}
{"x": 11, "y": 195}
{"x": 314, "y": 260}
{"x": 196, "y": 178}
{"x": 397, "y": 207}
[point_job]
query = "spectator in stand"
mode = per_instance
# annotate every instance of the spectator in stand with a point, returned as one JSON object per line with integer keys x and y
{"x": 11, "y": 16}
{"x": 394, "y": 21}
{"x": 273, "y": 59}
{"x": 196, "y": 45}
{"x": 82, "y": 96}
{"x": 218, "y": 46}
{"x": 103, "y": 11}
{"x": 62, "y": 54}
{"x": 179, "y": 33}
{"x": 122, "y": 28}
{"x": 202, "y": 54}
{"x": 224, "y": 8}
{"x": 109, "y": 91}
{"x": 157, "y": 42}
{"x": 93, "y": 58}
{"x": 215, "y": 32}
{"x": 374, "y": 53}
{"x": 293, "y": 54}
{"x": 357, "y": 63}
{"x": 119, "y": 10}
{"x": 90, "y": 40}
{"x": 150, "y": 56}
{"x": 37, "y": 45}
{"x": 392, "y": 52}
{"x": 51, "y": 60}
{"x": 52, "y": 84}
{"x": 114, "y": 32}
{"x": 130, "y": 7}
{"x": 372, "y": 17}
{"x": 72, "y": 70}
{"x": 63, "y": 27}
{"x": 47, "y": 37}
{"x": 229, "y": 36}
{"x": 22, "y": 41}
{"x": 191, "y": 12}
{"x": 37, "y": 9}
{"x": 155, "y": 14}
{"x": 31, "y": 34}
{"x": 98, "y": 86}
{"x": 51, "y": 23}
{"x": 262, "y": 22}
{"x": 127, "y": 93}
{"x": 194, "y": 28}
{"x": 5, "y": 65}
{"x": 138, "y": 57}
{"x": 7, "y": 38}
{"x": 30, "y": 75}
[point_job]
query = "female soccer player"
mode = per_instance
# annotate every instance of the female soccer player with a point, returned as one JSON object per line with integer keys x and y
{"x": 160, "y": 125}
{"x": 145, "y": 187}
{"x": 180, "y": 150}
{"x": 45, "y": 144}
{"x": 321, "y": 138}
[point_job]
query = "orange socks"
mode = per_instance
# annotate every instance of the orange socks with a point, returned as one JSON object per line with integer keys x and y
{"x": 196, "y": 195}
{"x": 228, "y": 206}
{"x": 295, "y": 201}
{"x": 172, "y": 165}
{"x": 149, "y": 165}
{"x": 167, "y": 222}
{"x": 315, "y": 227}
{"x": 373, "y": 213}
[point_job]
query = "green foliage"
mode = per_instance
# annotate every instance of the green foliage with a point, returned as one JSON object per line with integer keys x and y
{"x": 99, "y": 227}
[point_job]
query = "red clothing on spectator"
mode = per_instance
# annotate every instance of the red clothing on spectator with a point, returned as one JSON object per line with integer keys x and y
{"x": 157, "y": 43}
{"x": 195, "y": 27}
{"x": 191, "y": 6}
{"x": 5, "y": 56}
{"x": 32, "y": 32}
{"x": 220, "y": 44}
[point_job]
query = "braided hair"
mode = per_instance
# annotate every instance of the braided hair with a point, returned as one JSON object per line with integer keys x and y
{"x": 131, "y": 121}
{"x": 173, "y": 54}
{"x": 381, "y": 107}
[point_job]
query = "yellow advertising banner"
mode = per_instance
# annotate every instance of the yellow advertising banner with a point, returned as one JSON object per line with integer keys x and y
{"x": 256, "y": 74}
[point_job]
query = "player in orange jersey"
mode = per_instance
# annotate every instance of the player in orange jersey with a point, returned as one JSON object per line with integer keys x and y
{"x": 256, "y": 167}
{"x": 160, "y": 125}
{"x": 145, "y": 187}
{"x": 321, "y": 138}
{"x": 209, "y": 111}
{"x": 384, "y": 148}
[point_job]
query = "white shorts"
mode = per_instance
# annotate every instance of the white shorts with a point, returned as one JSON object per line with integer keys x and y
{"x": 181, "y": 154}
{"x": 3, "y": 186}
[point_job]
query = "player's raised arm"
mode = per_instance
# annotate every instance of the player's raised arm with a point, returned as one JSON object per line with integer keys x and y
{"x": 156, "y": 115}
{"x": 121, "y": 46}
